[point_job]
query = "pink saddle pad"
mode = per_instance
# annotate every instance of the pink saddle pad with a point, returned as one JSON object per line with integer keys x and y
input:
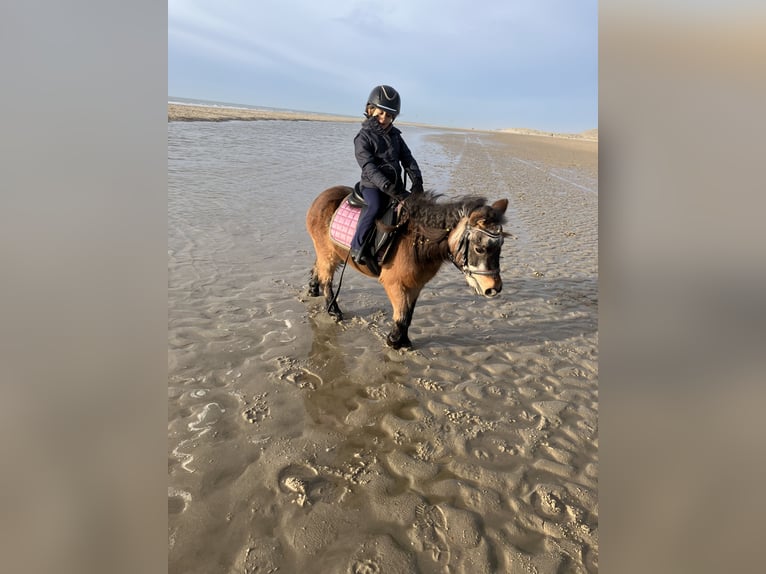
{"x": 343, "y": 224}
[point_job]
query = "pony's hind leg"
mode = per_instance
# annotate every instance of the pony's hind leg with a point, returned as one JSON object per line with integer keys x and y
{"x": 332, "y": 304}
{"x": 321, "y": 280}
{"x": 327, "y": 260}
{"x": 314, "y": 287}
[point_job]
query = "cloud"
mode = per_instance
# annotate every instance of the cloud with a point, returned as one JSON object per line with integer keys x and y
{"x": 271, "y": 36}
{"x": 430, "y": 50}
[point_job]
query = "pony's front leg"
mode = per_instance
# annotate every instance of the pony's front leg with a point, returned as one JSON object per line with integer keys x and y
{"x": 403, "y": 302}
{"x": 398, "y": 336}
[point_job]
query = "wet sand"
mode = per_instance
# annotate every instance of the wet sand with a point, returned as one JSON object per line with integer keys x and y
{"x": 300, "y": 445}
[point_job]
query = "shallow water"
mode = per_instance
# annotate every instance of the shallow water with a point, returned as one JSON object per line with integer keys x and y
{"x": 301, "y": 444}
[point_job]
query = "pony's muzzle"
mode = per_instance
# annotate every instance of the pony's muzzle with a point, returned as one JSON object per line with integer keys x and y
{"x": 486, "y": 285}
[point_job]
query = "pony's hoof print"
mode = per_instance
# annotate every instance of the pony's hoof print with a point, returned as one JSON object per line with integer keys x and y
{"x": 365, "y": 567}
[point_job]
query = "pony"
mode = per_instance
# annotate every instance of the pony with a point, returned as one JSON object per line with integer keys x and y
{"x": 466, "y": 231}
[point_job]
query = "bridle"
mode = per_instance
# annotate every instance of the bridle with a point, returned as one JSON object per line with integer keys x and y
{"x": 460, "y": 257}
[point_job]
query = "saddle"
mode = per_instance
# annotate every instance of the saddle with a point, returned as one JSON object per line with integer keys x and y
{"x": 346, "y": 217}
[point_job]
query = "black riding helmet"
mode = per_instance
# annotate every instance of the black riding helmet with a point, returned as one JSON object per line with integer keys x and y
{"x": 385, "y": 98}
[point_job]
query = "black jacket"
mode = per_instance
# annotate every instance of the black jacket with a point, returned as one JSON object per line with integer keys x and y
{"x": 380, "y": 154}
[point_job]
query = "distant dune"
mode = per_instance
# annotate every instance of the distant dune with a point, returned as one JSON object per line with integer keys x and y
{"x": 187, "y": 113}
{"x": 590, "y": 135}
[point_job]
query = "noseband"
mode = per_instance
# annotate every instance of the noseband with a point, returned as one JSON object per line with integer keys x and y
{"x": 460, "y": 257}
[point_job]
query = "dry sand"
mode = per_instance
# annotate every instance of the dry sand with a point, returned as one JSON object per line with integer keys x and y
{"x": 475, "y": 452}
{"x": 588, "y": 135}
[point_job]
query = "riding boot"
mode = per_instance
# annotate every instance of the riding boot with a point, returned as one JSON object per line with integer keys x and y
{"x": 357, "y": 255}
{"x": 370, "y": 260}
{"x": 362, "y": 256}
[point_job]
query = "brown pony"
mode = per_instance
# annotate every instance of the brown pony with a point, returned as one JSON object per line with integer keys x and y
{"x": 466, "y": 231}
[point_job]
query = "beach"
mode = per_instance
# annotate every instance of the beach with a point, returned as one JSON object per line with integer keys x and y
{"x": 190, "y": 112}
{"x": 298, "y": 444}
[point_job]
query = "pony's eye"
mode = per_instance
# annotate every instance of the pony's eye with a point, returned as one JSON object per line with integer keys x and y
{"x": 479, "y": 249}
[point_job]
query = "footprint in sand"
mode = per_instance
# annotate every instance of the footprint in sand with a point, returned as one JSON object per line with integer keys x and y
{"x": 548, "y": 501}
{"x": 263, "y": 556}
{"x": 178, "y": 500}
{"x": 429, "y": 529}
{"x": 259, "y": 411}
{"x": 380, "y": 555}
{"x": 306, "y": 486}
{"x": 298, "y": 487}
{"x": 302, "y": 378}
{"x": 365, "y": 567}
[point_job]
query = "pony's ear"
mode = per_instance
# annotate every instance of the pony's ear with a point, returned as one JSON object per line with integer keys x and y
{"x": 500, "y": 206}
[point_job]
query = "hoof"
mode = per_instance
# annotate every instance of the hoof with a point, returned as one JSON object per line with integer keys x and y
{"x": 336, "y": 314}
{"x": 314, "y": 287}
{"x": 398, "y": 343}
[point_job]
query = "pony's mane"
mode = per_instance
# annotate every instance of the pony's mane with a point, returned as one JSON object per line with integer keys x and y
{"x": 429, "y": 220}
{"x": 427, "y": 211}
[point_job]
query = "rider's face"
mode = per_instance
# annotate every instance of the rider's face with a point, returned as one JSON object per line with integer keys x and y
{"x": 385, "y": 118}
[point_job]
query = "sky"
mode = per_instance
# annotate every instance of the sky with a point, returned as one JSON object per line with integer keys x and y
{"x": 481, "y": 64}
